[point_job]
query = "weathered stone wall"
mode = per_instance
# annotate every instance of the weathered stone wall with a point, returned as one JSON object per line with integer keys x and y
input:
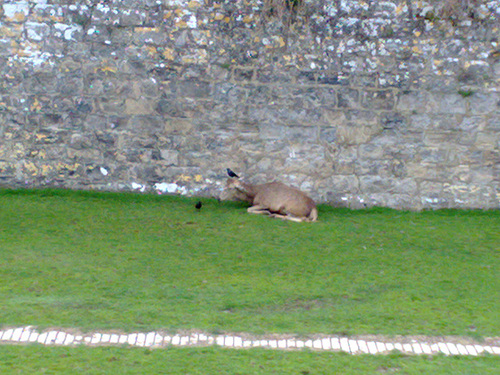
{"x": 356, "y": 102}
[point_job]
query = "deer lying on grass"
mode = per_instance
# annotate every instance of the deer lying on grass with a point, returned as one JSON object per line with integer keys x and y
{"x": 275, "y": 199}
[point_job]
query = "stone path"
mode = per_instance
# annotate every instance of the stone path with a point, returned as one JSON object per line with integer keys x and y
{"x": 353, "y": 345}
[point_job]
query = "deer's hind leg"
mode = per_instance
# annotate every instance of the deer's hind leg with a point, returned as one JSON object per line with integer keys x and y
{"x": 288, "y": 217}
{"x": 260, "y": 210}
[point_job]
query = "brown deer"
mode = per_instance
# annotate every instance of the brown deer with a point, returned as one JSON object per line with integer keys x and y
{"x": 275, "y": 199}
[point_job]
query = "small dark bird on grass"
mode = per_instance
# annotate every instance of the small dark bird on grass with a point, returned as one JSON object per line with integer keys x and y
{"x": 198, "y": 205}
{"x": 230, "y": 173}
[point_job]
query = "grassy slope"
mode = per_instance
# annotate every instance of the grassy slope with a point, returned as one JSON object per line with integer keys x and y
{"x": 113, "y": 360}
{"x": 130, "y": 262}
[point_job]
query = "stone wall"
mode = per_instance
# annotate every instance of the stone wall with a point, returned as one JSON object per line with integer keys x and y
{"x": 389, "y": 103}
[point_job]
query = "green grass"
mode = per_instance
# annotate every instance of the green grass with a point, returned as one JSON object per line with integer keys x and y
{"x": 143, "y": 262}
{"x": 115, "y": 360}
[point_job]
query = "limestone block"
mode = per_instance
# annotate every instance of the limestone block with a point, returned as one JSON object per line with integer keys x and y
{"x": 443, "y": 123}
{"x": 477, "y": 72}
{"x": 6, "y": 169}
{"x": 436, "y": 138}
{"x": 394, "y": 121}
{"x": 488, "y": 141}
{"x": 107, "y": 138}
{"x": 419, "y": 122}
{"x": 16, "y": 11}
{"x": 344, "y": 167}
{"x": 450, "y": 103}
{"x": 87, "y": 155}
{"x": 328, "y": 135}
{"x": 112, "y": 106}
{"x": 271, "y": 74}
{"x": 455, "y": 153}
{"x": 290, "y": 116}
{"x": 71, "y": 86}
{"x": 370, "y": 151}
{"x": 476, "y": 195}
{"x": 382, "y": 168}
{"x": 493, "y": 123}
{"x": 171, "y": 108}
{"x": 192, "y": 88}
{"x": 376, "y": 184}
{"x": 149, "y": 35}
{"x": 170, "y": 157}
{"x": 330, "y": 79}
{"x": 103, "y": 123}
{"x": 270, "y": 131}
{"x": 140, "y": 106}
{"x": 339, "y": 184}
{"x": 378, "y": 100}
{"x": 178, "y": 125}
{"x": 98, "y": 32}
{"x": 320, "y": 97}
{"x": 396, "y": 201}
{"x": 427, "y": 171}
{"x": 351, "y": 134}
{"x": 36, "y": 31}
{"x": 349, "y": 98}
{"x": 132, "y": 17}
{"x": 412, "y": 101}
{"x": 436, "y": 154}
{"x": 472, "y": 123}
{"x": 144, "y": 127}
{"x": 41, "y": 83}
{"x": 147, "y": 87}
{"x": 228, "y": 93}
{"x": 481, "y": 103}
{"x": 334, "y": 118}
{"x": 466, "y": 138}
{"x": 391, "y": 142}
{"x": 306, "y": 77}
{"x": 68, "y": 32}
{"x": 301, "y": 134}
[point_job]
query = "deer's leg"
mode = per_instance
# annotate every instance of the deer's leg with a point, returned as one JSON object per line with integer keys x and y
{"x": 288, "y": 217}
{"x": 260, "y": 210}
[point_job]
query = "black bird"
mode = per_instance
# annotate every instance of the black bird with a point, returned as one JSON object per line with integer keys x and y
{"x": 198, "y": 205}
{"x": 230, "y": 173}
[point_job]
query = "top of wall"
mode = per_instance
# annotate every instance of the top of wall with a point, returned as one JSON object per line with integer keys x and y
{"x": 327, "y": 41}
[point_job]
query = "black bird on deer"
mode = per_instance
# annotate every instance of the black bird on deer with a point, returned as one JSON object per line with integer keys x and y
{"x": 231, "y": 174}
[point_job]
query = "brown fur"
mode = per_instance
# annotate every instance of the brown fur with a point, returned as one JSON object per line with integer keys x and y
{"x": 276, "y": 199}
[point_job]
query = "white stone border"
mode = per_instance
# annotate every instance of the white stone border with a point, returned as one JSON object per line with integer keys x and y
{"x": 427, "y": 345}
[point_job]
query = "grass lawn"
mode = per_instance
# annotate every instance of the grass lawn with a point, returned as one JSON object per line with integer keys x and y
{"x": 143, "y": 262}
{"x": 115, "y": 360}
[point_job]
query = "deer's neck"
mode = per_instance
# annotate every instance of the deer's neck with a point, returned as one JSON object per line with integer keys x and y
{"x": 248, "y": 189}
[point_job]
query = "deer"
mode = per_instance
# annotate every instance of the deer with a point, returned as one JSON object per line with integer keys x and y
{"x": 274, "y": 199}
